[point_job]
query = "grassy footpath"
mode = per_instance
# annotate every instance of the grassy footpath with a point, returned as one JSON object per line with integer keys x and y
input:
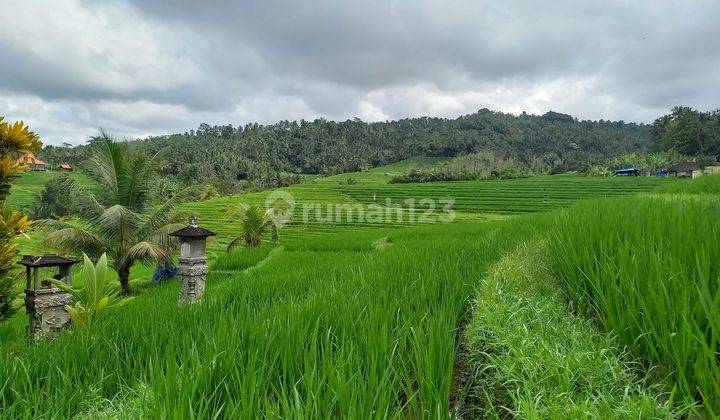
{"x": 526, "y": 356}
{"x": 648, "y": 269}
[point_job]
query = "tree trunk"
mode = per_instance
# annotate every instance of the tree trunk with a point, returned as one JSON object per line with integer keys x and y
{"x": 124, "y": 275}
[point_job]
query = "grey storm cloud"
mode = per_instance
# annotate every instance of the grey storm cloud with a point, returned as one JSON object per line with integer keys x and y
{"x": 142, "y": 67}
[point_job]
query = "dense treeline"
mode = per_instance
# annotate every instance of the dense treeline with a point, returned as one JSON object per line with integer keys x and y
{"x": 688, "y": 131}
{"x": 257, "y": 156}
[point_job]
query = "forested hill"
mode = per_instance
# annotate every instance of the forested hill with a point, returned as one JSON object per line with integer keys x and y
{"x": 555, "y": 141}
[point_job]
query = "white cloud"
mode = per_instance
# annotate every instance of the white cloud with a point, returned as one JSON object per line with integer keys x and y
{"x": 107, "y": 50}
{"x": 140, "y": 67}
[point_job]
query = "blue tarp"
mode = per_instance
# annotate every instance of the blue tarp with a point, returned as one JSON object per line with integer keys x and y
{"x": 164, "y": 273}
{"x": 627, "y": 171}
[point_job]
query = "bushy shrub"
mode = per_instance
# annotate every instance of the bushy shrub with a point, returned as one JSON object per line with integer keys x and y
{"x": 96, "y": 297}
{"x": 474, "y": 166}
{"x": 15, "y": 139}
{"x": 598, "y": 170}
{"x": 209, "y": 192}
{"x": 653, "y": 162}
{"x": 8, "y": 294}
{"x": 55, "y": 200}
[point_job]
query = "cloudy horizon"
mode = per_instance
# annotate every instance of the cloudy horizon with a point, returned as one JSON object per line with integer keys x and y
{"x": 139, "y": 68}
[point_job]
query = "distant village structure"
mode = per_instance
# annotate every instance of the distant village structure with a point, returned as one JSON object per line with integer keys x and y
{"x": 680, "y": 170}
{"x": 32, "y": 163}
{"x": 685, "y": 170}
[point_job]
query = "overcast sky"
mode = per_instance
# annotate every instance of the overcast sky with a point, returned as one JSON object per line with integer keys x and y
{"x": 144, "y": 67}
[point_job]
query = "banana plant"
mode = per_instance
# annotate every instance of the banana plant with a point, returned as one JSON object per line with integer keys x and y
{"x": 96, "y": 297}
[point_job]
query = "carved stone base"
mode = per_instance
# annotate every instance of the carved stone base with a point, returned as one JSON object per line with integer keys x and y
{"x": 193, "y": 272}
{"x": 46, "y": 312}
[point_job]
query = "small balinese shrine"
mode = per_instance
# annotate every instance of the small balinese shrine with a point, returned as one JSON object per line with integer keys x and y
{"x": 44, "y": 302}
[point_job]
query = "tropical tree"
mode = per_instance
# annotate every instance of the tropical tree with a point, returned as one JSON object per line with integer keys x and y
{"x": 117, "y": 217}
{"x": 254, "y": 223}
{"x": 53, "y": 202}
{"x": 15, "y": 139}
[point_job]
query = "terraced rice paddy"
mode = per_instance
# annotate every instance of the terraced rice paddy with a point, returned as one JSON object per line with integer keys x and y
{"x": 472, "y": 200}
{"x": 525, "y": 195}
{"x": 366, "y": 319}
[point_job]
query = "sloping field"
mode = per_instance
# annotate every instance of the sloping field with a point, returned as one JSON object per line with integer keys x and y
{"x": 324, "y": 207}
{"x": 383, "y": 174}
{"x": 512, "y": 196}
{"x": 30, "y": 184}
{"x": 316, "y": 204}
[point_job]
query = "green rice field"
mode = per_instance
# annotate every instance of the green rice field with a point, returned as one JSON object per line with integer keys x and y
{"x": 547, "y": 297}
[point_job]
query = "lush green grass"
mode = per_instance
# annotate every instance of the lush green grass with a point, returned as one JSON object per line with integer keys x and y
{"x": 406, "y": 165}
{"x": 527, "y": 358}
{"x": 241, "y": 258}
{"x": 707, "y": 184}
{"x": 648, "y": 269}
{"x": 309, "y": 334}
{"x": 473, "y": 199}
{"x": 24, "y": 191}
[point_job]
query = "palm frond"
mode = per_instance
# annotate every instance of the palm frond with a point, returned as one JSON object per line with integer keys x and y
{"x": 237, "y": 210}
{"x": 133, "y": 186}
{"x": 107, "y": 165}
{"x": 76, "y": 240}
{"x": 52, "y": 224}
{"x": 162, "y": 215}
{"x": 118, "y": 223}
{"x": 87, "y": 205}
{"x": 144, "y": 251}
{"x": 163, "y": 239}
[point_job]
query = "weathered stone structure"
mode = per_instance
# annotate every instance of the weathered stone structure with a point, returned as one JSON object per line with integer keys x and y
{"x": 192, "y": 261}
{"x": 45, "y": 303}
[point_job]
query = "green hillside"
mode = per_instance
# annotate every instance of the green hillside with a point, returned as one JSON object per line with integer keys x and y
{"x": 30, "y": 184}
{"x": 382, "y": 174}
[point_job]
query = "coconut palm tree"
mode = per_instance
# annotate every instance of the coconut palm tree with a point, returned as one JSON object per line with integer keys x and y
{"x": 117, "y": 217}
{"x": 254, "y": 223}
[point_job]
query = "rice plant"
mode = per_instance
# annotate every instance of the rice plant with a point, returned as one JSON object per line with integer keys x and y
{"x": 359, "y": 334}
{"x": 648, "y": 269}
{"x": 708, "y": 184}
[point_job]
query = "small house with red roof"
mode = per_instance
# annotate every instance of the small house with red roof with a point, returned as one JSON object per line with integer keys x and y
{"x": 31, "y": 162}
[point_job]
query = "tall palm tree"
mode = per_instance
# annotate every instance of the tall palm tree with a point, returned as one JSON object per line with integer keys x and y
{"x": 117, "y": 218}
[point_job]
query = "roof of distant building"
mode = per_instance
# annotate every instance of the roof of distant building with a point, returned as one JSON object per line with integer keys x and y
{"x": 685, "y": 167}
{"x": 29, "y": 158}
